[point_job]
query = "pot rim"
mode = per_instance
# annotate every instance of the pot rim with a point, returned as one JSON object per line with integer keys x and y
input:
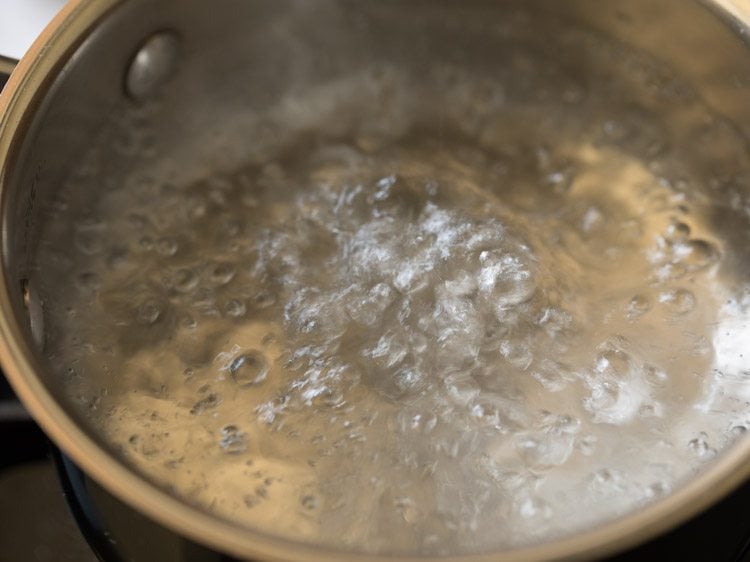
{"x": 25, "y": 89}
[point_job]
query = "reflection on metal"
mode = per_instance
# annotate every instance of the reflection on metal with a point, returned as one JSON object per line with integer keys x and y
{"x": 33, "y": 306}
{"x": 740, "y": 9}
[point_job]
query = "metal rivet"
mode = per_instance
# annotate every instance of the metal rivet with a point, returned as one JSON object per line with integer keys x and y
{"x": 152, "y": 64}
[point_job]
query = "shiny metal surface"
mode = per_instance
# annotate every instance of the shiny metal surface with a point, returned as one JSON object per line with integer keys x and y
{"x": 71, "y": 80}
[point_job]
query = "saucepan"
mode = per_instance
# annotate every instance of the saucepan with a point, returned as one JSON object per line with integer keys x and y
{"x": 564, "y": 372}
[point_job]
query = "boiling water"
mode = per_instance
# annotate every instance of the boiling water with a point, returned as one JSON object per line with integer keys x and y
{"x": 472, "y": 317}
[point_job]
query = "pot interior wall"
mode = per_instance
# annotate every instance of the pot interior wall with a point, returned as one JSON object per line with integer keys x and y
{"x": 240, "y": 57}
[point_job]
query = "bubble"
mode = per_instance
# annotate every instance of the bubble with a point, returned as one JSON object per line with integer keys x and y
{"x": 207, "y": 403}
{"x": 390, "y": 349}
{"x": 188, "y": 322}
{"x": 700, "y": 448}
{"x": 651, "y": 410}
{"x": 204, "y": 301}
{"x": 671, "y": 272}
{"x": 269, "y": 339}
{"x": 407, "y": 381}
{"x": 462, "y": 285}
{"x": 561, "y": 180}
{"x": 149, "y": 312}
{"x": 613, "y": 361}
{"x": 309, "y": 502}
{"x": 677, "y": 232}
{"x": 638, "y": 306}
{"x": 695, "y": 254}
{"x": 234, "y": 308}
{"x": 655, "y": 376}
{"x": 553, "y": 376}
{"x": 233, "y": 441}
{"x": 541, "y": 449}
{"x": 592, "y": 219}
{"x": 251, "y": 500}
{"x": 587, "y": 444}
{"x": 534, "y": 508}
{"x": 738, "y": 430}
{"x": 456, "y": 325}
{"x": 184, "y": 280}
{"x": 166, "y": 246}
{"x": 657, "y": 490}
{"x": 558, "y": 424}
{"x": 616, "y": 392}
{"x": 408, "y": 421}
{"x": 305, "y": 313}
{"x": 399, "y": 195}
{"x": 461, "y": 388}
{"x": 518, "y": 354}
{"x": 505, "y": 278}
{"x": 678, "y": 302}
{"x": 221, "y": 274}
{"x": 264, "y": 299}
{"x": 367, "y": 310}
{"x": 249, "y": 369}
{"x": 606, "y": 480}
{"x": 408, "y": 509}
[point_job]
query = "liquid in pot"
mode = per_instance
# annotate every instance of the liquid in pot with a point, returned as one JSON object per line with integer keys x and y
{"x": 434, "y": 316}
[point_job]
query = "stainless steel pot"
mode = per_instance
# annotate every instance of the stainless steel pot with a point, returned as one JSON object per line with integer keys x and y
{"x": 99, "y": 54}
